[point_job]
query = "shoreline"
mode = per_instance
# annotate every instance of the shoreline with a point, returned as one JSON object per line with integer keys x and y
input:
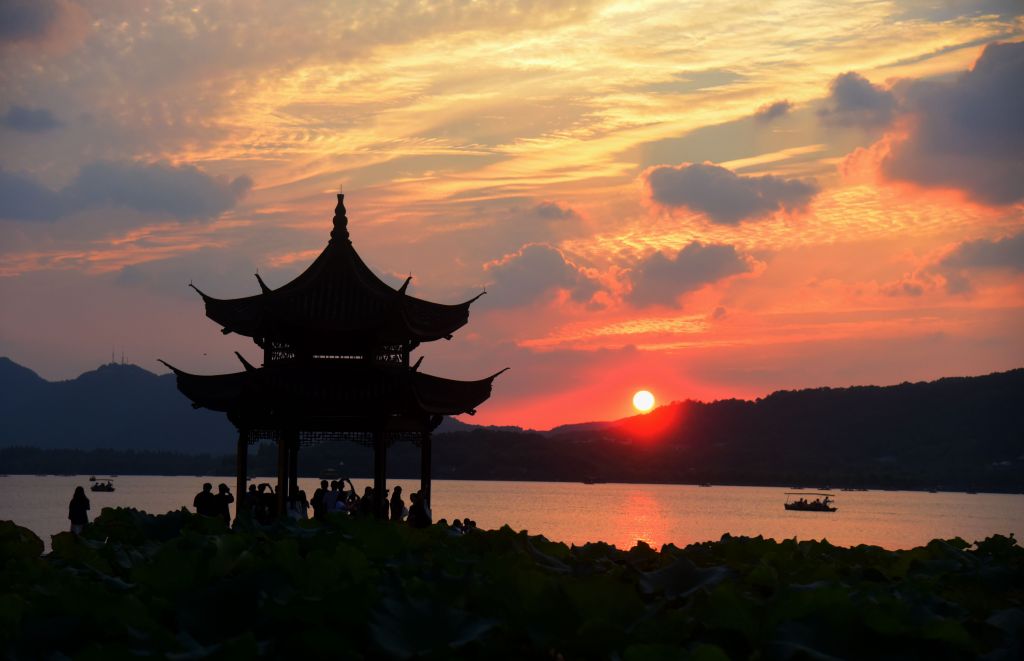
{"x": 584, "y": 481}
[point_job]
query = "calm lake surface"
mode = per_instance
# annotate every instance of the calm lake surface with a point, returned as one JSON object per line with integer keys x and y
{"x": 576, "y": 513}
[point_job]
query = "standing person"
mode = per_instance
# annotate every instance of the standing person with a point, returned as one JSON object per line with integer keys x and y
{"x": 251, "y": 502}
{"x": 318, "y": 500}
{"x": 365, "y": 507}
{"x": 266, "y": 503}
{"x": 418, "y": 516}
{"x": 205, "y": 502}
{"x": 331, "y": 497}
{"x": 222, "y": 501}
{"x": 397, "y": 505}
{"x": 298, "y": 507}
{"x": 77, "y": 509}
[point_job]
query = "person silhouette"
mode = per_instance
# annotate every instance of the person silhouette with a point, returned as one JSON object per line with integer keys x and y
{"x": 397, "y": 505}
{"x": 77, "y": 509}
{"x": 250, "y": 500}
{"x": 419, "y": 515}
{"x": 303, "y": 505}
{"x": 318, "y": 500}
{"x": 265, "y": 503}
{"x": 365, "y": 507}
{"x": 331, "y": 497}
{"x": 222, "y": 501}
{"x": 205, "y": 502}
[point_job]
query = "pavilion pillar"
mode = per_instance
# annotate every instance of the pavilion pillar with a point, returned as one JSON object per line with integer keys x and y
{"x": 425, "y": 449}
{"x": 282, "y": 471}
{"x": 293, "y": 465}
{"x": 241, "y": 471}
{"x": 380, "y": 471}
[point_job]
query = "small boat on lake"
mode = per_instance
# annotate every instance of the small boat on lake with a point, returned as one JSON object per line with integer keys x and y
{"x": 102, "y": 485}
{"x": 802, "y": 502}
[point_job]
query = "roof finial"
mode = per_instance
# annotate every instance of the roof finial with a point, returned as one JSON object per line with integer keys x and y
{"x": 340, "y": 230}
{"x": 263, "y": 286}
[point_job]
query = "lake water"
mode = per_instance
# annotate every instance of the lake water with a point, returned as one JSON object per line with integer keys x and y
{"x": 575, "y": 513}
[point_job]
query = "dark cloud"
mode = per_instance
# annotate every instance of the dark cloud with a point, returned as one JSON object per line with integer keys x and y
{"x": 903, "y": 288}
{"x": 217, "y": 271}
{"x": 946, "y": 10}
{"x": 660, "y": 280}
{"x": 722, "y": 195}
{"x": 27, "y": 20}
{"x": 29, "y": 120}
{"x": 533, "y": 272}
{"x": 968, "y": 134}
{"x": 770, "y": 111}
{"x": 942, "y": 50}
{"x": 747, "y": 137}
{"x": 855, "y": 101}
{"x": 1005, "y": 253}
{"x": 22, "y": 198}
{"x": 554, "y": 211}
{"x": 183, "y": 191}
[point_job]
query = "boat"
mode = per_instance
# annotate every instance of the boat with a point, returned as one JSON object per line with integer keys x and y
{"x": 800, "y": 502}
{"x": 704, "y": 484}
{"x": 329, "y": 474}
{"x": 102, "y": 485}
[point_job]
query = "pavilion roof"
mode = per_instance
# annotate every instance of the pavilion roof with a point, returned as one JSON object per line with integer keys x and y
{"x": 336, "y": 304}
{"x": 297, "y": 390}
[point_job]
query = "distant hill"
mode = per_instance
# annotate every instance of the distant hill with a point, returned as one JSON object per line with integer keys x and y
{"x": 118, "y": 407}
{"x": 114, "y": 406}
{"x": 954, "y": 433}
{"x": 449, "y": 425}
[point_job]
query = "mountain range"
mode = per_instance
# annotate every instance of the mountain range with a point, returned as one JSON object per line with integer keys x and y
{"x": 115, "y": 406}
{"x": 958, "y": 432}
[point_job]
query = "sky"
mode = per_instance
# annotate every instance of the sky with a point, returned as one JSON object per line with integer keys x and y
{"x": 702, "y": 199}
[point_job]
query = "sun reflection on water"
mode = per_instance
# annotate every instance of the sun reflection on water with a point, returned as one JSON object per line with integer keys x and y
{"x": 640, "y": 518}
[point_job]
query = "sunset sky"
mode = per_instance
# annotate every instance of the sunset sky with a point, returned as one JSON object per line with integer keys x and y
{"x": 702, "y": 199}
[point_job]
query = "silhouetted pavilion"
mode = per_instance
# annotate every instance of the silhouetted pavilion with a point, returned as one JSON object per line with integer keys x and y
{"x": 336, "y": 343}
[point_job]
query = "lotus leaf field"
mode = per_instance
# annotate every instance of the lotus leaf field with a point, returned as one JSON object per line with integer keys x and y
{"x": 183, "y": 586}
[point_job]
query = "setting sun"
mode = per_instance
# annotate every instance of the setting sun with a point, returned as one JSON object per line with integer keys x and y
{"x": 643, "y": 401}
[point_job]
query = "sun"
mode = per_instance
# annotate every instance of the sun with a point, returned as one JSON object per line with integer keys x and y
{"x": 643, "y": 401}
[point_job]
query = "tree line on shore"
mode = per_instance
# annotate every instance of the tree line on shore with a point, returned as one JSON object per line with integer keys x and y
{"x": 952, "y": 434}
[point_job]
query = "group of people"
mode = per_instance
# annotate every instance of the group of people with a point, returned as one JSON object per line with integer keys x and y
{"x": 458, "y": 527}
{"x": 333, "y": 497}
{"x": 212, "y": 504}
{"x": 260, "y": 502}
